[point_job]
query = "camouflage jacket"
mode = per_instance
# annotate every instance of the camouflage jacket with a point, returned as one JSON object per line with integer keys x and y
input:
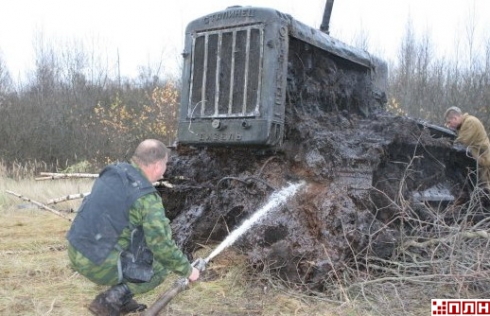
{"x": 149, "y": 212}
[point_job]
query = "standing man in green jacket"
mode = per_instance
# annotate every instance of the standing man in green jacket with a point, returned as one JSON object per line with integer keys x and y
{"x": 121, "y": 236}
{"x": 472, "y": 134}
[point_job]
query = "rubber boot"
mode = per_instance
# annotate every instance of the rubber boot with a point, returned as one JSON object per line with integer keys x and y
{"x": 132, "y": 306}
{"x": 110, "y": 302}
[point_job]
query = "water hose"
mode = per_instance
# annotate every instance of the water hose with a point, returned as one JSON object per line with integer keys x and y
{"x": 179, "y": 286}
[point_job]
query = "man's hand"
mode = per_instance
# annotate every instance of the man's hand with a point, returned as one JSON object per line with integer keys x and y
{"x": 194, "y": 274}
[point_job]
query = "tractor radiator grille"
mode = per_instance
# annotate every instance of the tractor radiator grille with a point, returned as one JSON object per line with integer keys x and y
{"x": 226, "y": 72}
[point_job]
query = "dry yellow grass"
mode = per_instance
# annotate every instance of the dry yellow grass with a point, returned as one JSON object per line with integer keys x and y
{"x": 36, "y": 278}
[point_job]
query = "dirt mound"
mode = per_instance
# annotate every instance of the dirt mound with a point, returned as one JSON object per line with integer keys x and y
{"x": 359, "y": 172}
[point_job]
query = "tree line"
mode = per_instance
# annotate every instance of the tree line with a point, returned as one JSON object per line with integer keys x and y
{"x": 73, "y": 107}
{"x": 424, "y": 85}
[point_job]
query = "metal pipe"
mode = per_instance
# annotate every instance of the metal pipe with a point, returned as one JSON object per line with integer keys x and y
{"x": 324, "y": 27}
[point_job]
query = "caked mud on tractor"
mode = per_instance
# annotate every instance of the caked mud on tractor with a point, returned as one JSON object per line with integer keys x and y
{"x": 268, "y": 100}
{"x": 243, "y": 67}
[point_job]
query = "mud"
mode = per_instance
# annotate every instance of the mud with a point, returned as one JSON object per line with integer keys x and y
{"x": 359, "y": 175}
{"x": 363, "y": 167}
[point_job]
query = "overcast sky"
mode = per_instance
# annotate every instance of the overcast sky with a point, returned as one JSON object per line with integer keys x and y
{"x": 145, "y": 32}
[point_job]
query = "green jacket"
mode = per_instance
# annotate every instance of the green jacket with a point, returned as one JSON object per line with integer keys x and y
{"x": 149, "y": 212}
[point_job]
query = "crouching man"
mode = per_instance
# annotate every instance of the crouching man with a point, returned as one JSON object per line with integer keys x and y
{"x": 472, "y": 134}
{"x": 121, "y": 236}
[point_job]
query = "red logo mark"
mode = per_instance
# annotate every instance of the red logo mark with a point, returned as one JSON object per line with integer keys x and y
{"x": 460, "y": 307}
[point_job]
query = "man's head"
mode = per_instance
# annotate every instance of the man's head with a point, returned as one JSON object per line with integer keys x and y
{"x": 151, "y": 156}
{"x": 453, "y": 117}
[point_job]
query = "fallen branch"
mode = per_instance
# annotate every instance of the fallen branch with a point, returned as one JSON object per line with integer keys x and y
{"x": 45, "y": 207}
{"x": 56, "y": 176}
{"x": 67, "y": 198}
{"x": 429, "y": 242}
{"x": 436, "y": 278}
{"x": 82, "y": 195}
{"x": 163, "y": 183}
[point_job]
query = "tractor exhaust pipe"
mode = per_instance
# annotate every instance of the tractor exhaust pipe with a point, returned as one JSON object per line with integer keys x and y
{"x": 326, "y": 17}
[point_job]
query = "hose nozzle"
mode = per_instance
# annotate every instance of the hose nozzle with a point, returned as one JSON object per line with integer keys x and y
{"x": 200, "y": 264}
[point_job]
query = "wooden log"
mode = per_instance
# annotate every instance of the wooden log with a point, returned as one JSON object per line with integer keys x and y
{"x": 56, "y": 176}
{"x": 82, "y": 195}
{"x": 67, "y": 198}
{"x": 39, "y": 204}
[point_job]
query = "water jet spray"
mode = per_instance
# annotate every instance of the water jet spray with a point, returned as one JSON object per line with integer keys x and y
{"x": 275, "y": 200}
